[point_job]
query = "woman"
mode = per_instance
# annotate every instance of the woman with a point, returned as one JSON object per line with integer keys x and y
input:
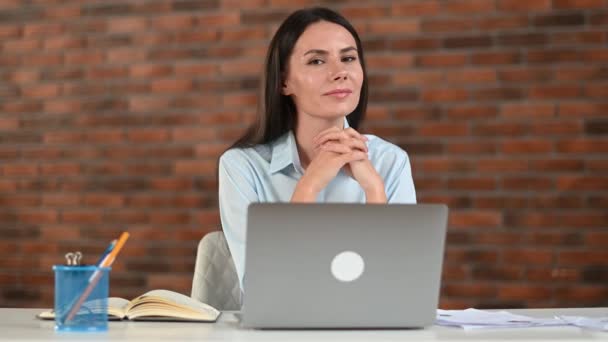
{"x": 304, "y": 146}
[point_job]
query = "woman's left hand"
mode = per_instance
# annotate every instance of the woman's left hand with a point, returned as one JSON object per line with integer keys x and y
{"x": 362, "y": 171}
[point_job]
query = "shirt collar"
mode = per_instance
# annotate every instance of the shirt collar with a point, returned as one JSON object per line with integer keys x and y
{"x": 285, "y": 152}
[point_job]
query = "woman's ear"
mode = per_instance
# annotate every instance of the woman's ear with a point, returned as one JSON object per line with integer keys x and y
{"x": 285, "y": 89}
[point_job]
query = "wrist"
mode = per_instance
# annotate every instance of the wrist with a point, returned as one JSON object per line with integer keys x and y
{"x": 304, "y": 191}
{"x": 375, "y": 196}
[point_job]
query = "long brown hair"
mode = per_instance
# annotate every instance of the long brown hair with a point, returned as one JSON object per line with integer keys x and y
{"x": 277, "y": 112}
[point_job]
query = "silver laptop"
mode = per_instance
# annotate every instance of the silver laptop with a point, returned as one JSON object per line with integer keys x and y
{"x": 343, "y": 265}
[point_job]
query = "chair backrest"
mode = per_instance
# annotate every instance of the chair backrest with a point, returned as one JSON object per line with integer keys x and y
{"x": 215, "y": 281}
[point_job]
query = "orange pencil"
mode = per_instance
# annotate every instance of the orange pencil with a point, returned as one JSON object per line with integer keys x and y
{"x": 107, "y": 262}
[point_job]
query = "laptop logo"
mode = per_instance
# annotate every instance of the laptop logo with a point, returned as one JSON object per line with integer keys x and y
{"x": 347, "y": 266}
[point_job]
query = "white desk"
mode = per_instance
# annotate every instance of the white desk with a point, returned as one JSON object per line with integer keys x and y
{"x": 21, "y": 325}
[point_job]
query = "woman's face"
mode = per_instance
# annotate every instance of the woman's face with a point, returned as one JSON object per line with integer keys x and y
{"x": 324, "y": 74}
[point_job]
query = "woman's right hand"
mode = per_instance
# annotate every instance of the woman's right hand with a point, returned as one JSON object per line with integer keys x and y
{"x": 322, "y": 169}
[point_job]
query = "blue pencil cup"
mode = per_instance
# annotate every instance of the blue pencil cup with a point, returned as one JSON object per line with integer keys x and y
{"x": 81, "y": 298}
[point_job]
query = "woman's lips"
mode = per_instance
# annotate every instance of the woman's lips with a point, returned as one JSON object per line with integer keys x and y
{"x": 339, "y": 93}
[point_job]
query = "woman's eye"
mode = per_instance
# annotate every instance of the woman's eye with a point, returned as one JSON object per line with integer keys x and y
{"x": 349, "y": 59}
{"x": 316, "y": 62}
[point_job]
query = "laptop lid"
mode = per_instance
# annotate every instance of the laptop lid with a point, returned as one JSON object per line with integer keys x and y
{"x": 343, "y": 265}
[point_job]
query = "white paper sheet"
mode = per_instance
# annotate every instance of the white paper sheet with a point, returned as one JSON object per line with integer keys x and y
{"x": 471, "y": 319}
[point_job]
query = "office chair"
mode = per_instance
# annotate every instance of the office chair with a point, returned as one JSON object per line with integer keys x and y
{"x": 215, "y": 281}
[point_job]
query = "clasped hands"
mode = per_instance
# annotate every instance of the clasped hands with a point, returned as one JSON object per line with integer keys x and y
{"x": 336, "y": 149}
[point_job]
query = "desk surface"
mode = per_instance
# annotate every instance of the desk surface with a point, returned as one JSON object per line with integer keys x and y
{"x": 20, "y": 324}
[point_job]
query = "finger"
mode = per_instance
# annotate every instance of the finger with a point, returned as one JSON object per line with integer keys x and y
{"x": 352, "y": 143}
{"x": 331, "y": 129}
{"x": 356, "y": 144}
{"x": 332, "y": 135}
{"x": 353, "y": 133}
{"x": 335, "y": 147}
{"x": 351, "y": 157}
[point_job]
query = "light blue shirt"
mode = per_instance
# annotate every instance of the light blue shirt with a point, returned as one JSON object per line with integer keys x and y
{"x": 270, "y": 172}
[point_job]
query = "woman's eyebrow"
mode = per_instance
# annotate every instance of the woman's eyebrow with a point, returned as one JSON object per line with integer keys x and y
{"x": 324, "y": 52}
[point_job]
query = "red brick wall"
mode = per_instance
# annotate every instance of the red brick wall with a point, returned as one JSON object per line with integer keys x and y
{"x": 112, "y": 114}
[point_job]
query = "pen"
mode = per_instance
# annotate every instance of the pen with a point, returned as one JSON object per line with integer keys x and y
{"x": 107, "y": 261}
{"x": 106, "y": 252}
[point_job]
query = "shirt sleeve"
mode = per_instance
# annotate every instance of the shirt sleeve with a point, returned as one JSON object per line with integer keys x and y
{"x": 236, "y": 192}
{"x": 399, "y": 184}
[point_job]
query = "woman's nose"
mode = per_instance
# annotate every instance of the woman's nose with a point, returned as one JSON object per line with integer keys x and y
{"x": 339, "y": 75}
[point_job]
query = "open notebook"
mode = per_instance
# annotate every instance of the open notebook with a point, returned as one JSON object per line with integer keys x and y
{"x": 156, "y": 305}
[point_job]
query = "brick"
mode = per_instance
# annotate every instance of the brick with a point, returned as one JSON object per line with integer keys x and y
{"x": 467, "y": 42}
{"x": 477, "y": 256}
{"x": 41, "y": 91}
{"x": 415, "y": 9}
{"x": 596, "y": 127}
{"x": 522, "y": 39}
{"x": 495, "y": 58}
{"x": 530, "y": 5}
{"x": 497, "y": 238}
{"x": 502, "y": 93}
{"x": 556, "y": 128}
{"x": 198, "y": 69}
{"x": 471, "y": 148}
{"x": 469, "y": 290}
{"x": 576, "y": 4}
{"x": 501, "y": 165}
{"x": 568, "y": 258}
{"x": 590, "y": 183}
{"x": 445, "y": 95}
{"x": 84, "y": 58}
{"x": 596, "y": 239}
{"x": 577, "y": 38}
{"x": 582, "y": 295}
{"x": 361, "y": 12}
{"x": 553, "y": 275}
{"x": 468, "y": 112}
{"x": 469, "y": 184}
{"x": 497, "y": 273}
{"x": 599, "y": 18}
{"x": 527, "y": 183}
{"x": 529, "y": 256}
{"x": 582, "y": 109}
{"x": 37, "y": 216}
{"x": 409, "y": 44}
{"x": 556, "y": 165}
{"x": 19, "y": 169}
{"x": 10, "y": 31}
{"x": 468, "y": 6}
{"x": 443, "y": 129}
{"x": 471, "y": 76}
{"x": 393, "y": 27}
{"x": 599, "y": 90}
{"x": 171, "y": 85}
{"x": 64, "y": 42}
{"x": 60, "y": 169}
{"x": 553, "y": 56}
{"x": 414, "y": 78}
{"x": 460, "y": 202}
{"x": 396, "y": 60}
{"x": 442, "y": 165}
{"x": 581, "y": 145}
{"x": 447, "y": 25}
{"x": 554, "y": 91}
{"x": 599, "y": 166}
{"x": 529, "y": 111}
{"x": 263, "y": 17}
{"x": 475, "y": 219}
{"x": 194, "y": 5}
{"x": 502, "y": 22}
{"x": 553, "y": 238}
{"x": 524, "y": 292}
{"x": 551, "y": 20}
